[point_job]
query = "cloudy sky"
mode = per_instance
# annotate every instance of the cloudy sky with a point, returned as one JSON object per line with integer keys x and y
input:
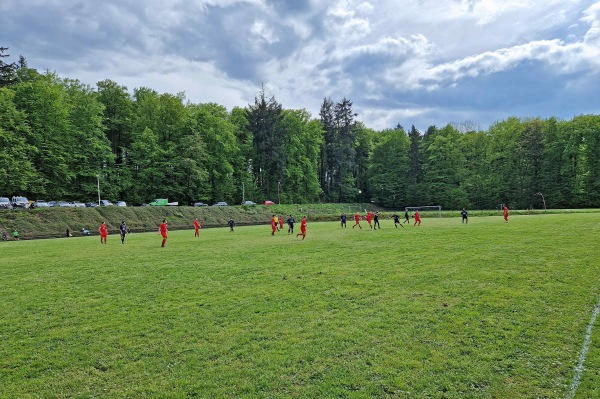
{"x": 421, "y": 62}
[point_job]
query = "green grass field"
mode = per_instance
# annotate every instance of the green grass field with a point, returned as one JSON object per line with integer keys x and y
{"x": 445, "y": 310}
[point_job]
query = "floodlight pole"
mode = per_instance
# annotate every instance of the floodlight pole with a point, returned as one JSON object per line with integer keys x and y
{"x": 543, "y": 200}
{"x": 98, "y": 178}
{"x": 278, "y": 197}
{"x": 243, "y": 193}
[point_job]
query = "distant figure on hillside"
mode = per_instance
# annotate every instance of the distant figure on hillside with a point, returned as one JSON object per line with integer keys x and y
{"x": 196, "y": 228}
{"x": 357, "y": 220}
{"x": 290, "y": 223}
{"x": 123, "y": 231}
{"x": 465, "y": 216}
{"x": 406, "y": 217}
{"x": 103, "y": 233}
{"x": 505, "y": 214}
{"x": 302, "y": 228}
{"x": 16, "y": 235}
{"x": 231, "y": 223}
{"x": 4, "y": 238}
{"x": 163, "y": 231}
{"x": 376, "y": 220}
{"x": 69, "y": 232}
{"x": 85, "y": 232}
{"x": 343, "y": 220}
{"x": 417, "y": 219}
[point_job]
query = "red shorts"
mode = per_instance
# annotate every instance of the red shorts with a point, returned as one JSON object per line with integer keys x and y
{"x": 164, "y": 235}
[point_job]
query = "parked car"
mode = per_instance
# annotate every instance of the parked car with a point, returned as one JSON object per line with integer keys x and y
{"x": 77, "y": 204}
{"x": 5, "y": 203}
{"x": 91, "y": 204}
{"x": 40, "y": 204}
{"x": 200, "y": 204}
{"x": 121, "y": 203}
{"x": 248, "y": 203}
{"x": 20, "y": 202}
{"x": 105, "y": 203}
{"x": 63, "y": 204}
{"x": 52, "y": 204}
{"x": 222, "y": 203}
{"x": 267, "y": 202}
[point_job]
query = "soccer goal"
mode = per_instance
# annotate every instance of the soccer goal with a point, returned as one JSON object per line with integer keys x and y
{"x": 428, "y": 209}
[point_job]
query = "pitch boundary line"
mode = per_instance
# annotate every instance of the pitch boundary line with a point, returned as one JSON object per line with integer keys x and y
{"x": 584, "y": 350}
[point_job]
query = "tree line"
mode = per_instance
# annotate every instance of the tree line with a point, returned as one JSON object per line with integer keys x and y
{"x": 59, "y": 137}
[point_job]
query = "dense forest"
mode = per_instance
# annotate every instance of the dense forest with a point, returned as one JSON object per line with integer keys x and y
{"x": 59, "y": 137}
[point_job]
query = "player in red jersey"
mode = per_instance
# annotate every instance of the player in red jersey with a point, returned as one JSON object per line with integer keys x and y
{"x": 505, "y": 214}
{"x": 196, "y": 228}
{"x": 357, "y": 220}
{"x": 417, "y": 218}
{"x": 163, "y": 230}
{"x": 273, "y": 225}
{"x": 280, "y": 222}
{"x": 369, "y": 218}
{"x": 302, "y": 228}
{"x": 103, "y": 233}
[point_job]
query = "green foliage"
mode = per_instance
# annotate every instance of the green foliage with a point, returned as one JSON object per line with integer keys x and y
{"x": 58, "y": 137}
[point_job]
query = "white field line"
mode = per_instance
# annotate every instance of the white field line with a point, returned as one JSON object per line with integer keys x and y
{"x": 586, "y": 346}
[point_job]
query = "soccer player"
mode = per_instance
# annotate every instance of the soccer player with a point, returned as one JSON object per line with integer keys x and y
{"x": 369, "y": 218}
{"x": 376, "y": 220}
{"x": 290, "y": 223}
{"x": 280, "y": 222}
{"x": 273, "y": 225}
{"x": 396, "y": 220}
{"x": 505, "y": 214}
{"x": 343, "y": 220}
{"x": 406, "y": 217}
{"x": 465, "y": 216}
{"x": 163, "y": 230}
{"x": 357, "y": 220}
{"x": 196, "y": 228}
{"x": 103, "y": 233}
{"x": 276, "y": 222}
{"x": 231, "y": 223}
{"x": 417, "y": 218}
{"x": 302, "y": 228}
{"x": 123, "y": 231}
{"x": 16, "y": 235}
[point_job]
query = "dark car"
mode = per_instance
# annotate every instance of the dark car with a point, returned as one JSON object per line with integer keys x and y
{"x": 90, "y": 204}
{"x": 5, "y": 203}
{"x": 200, "y": 204}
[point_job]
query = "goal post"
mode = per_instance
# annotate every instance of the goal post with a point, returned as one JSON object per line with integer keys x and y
{"x": 428, "y": 209}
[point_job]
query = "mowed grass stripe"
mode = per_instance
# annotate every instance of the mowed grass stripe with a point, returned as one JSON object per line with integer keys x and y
{"x": 484, "y": 310}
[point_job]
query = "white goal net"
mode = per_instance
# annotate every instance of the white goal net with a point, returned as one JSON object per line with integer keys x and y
{"x": 433, "y": 210}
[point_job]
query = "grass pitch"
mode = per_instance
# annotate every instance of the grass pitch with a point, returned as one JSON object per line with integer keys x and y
{"x": 445, "y": 310}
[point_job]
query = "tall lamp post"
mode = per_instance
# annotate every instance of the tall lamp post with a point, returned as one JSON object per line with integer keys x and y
{"x": 98, "y": 178}
{"x": 243, "y": 193}
{"x": 278, "y": 197}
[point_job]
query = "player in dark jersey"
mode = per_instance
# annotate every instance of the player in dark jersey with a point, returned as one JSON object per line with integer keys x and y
{"x": 231, "y": 223}
{"x": 290, "y": 223}
{"x": 343, "y": 220}
{"x": 376, "y": 221}
{"x": 123, "y": 231}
